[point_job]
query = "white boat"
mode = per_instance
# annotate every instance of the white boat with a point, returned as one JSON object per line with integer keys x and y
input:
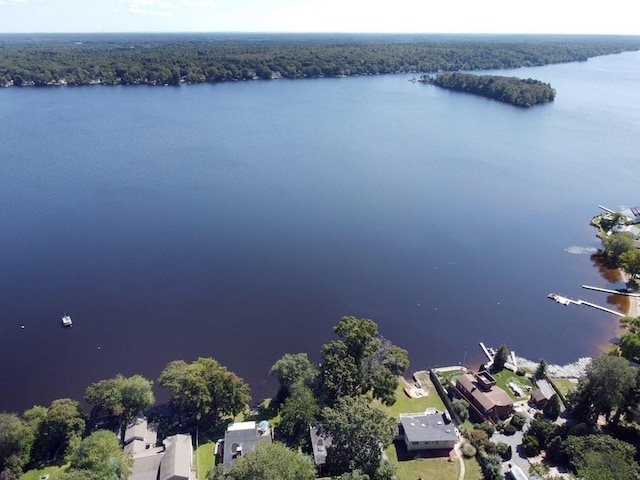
{"x": 66, "y": 321}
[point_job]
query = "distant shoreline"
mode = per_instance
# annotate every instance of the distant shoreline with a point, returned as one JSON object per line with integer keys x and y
{"x": 143, "y": 59}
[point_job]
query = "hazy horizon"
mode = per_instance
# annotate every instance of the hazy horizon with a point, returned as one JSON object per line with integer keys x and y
{"x": 315, "y": 16}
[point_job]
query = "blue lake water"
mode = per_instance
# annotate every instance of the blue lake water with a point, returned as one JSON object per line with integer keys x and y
{"x": 242, "y": 220}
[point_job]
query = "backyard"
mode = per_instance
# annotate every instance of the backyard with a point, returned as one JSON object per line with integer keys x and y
{"x": 427, "y": 468}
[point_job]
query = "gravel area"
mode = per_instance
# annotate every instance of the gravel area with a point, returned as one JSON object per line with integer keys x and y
{"x": 571, "y": 370}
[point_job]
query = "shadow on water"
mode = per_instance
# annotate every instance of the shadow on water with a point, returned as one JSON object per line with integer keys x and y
{"x": 610, "y": 274}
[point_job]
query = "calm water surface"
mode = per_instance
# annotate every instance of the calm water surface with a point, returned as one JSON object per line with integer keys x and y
{"x": 241, "y": 221}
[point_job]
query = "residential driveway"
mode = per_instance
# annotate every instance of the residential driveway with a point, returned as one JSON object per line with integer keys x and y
{"x": 518, "y": 457}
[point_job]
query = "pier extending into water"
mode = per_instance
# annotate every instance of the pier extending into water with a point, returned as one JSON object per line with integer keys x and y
{"x": 568, "y": 301}
{"x": 614, "y": 292}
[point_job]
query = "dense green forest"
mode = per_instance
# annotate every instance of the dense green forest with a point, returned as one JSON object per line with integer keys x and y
{"x": 516, "y": 91}
{"x": 84, "y": 59}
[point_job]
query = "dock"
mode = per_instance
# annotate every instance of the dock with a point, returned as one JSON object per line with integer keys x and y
{"x": 613, "y": 292}
{"x": 568, "y": 301}
{"x": 608, "y": 210}
{"x": 491, "y": 353}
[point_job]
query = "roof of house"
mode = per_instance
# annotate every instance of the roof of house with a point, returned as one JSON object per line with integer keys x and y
{"x": 428, "y": 428}
{"x": 176, "y": 462}
{"x": 139, "y": 434}
{"x": 488, "y": 399}
{"x": 242, "y": 437}
{"x": 537, "y": 396}
{"x": 546, "y": 388}
{"x": 146, "y": 467}
{"x": 632, "y": 213}
{"x": 320, "y": 443}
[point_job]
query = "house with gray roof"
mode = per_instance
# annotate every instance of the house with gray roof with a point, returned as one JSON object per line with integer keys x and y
{"x": 176, "y": 462}
{"x": 542, "y": 394}
{"x": 140, "y": 436}
{"x": 431, "y": 430}
{"x": 242, "y": 437}
{"x": 632, "y": 214}
{"x": 319, "y": 444}
{"x": 171, "y": 461}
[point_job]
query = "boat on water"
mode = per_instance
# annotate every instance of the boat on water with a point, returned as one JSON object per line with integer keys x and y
{"x": 66, "y": 321}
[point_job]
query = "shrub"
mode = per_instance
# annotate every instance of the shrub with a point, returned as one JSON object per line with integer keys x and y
{"x": 468, "y": 450}
{"x": 492, "y": 467}
{"x": 510, "y": 430}
{"x": 539, "y": 469}
{"x": 486, "y": 427}
{"x": 530, "y": 445}
{"x": 518, "y": 420}
{"x": 480, "y": 437}
{"x": 499, "y": 448}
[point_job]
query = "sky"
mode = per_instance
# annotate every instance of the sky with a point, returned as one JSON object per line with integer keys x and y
{"x": 346, "y": 16}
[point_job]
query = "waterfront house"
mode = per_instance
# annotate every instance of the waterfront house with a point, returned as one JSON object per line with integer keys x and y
{"x": 139, "y": 436}
{"x": 431, "y": 430}
{"x": 632, "y": 214}
{"x": 481, "y": 390}
{"x": 319, "y": 445}
{"x": 176, "y": 462}
{"x": 171, "y": 461}
{"x": 242, "y": 437}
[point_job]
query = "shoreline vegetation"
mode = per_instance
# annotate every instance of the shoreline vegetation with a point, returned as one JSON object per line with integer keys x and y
{"x": 513, "y": 90}
{"x": 175, "y": 59}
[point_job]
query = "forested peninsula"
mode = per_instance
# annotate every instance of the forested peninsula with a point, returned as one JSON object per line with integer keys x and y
{"x": 173, "y": 59}
{"x": 516, "y": 91}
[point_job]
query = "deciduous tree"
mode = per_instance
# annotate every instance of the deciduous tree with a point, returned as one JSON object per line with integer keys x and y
{"x": 273, "y": 461}
{"x": 101, "y": 453}
{"x": 359, "y": 433}
{"x": 120, "y": 397}
{"x": 601, "y": 457}
{"x": 608, "y": 384}
{"x": 59, "y": 431}
{"x": 14, "y": 446}
{"x": 204, "y": 388}
{"x": 294, "y": 368}
{"x": 360, "y": 362}
{"x": 299, "y": 412}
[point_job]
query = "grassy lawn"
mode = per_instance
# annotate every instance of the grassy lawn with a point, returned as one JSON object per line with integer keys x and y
{"x": 472, "y": 469}
{"x": 36, "y": 474}
{"x": 505, "y": 376}
{"x": 205, "y": 460}
{"x": 405, "y": 404}
{"x": 436, "y": 468}
{"x": 564, "y": 384}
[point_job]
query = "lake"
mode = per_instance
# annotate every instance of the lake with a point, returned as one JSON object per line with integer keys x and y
{"x": 242, "y": 220}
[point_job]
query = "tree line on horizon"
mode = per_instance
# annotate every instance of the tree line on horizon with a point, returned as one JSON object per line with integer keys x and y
{"x": 172, "y": 60}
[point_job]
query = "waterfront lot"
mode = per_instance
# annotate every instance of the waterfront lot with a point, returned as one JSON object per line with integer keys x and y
{"x": 440, "y": 468}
